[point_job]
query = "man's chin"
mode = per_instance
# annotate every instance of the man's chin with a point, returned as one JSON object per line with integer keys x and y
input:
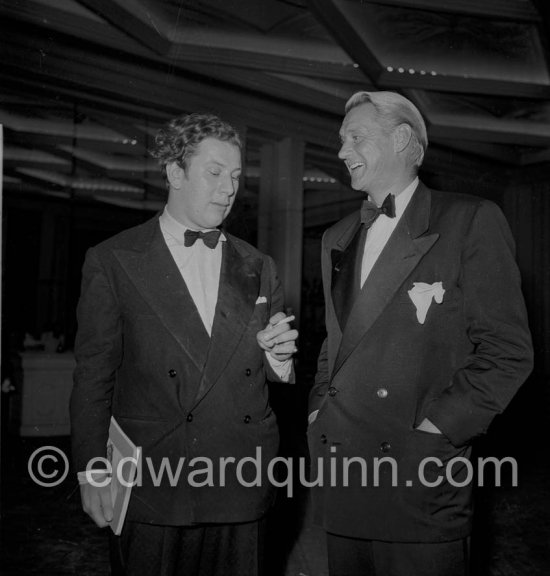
{"x": 356, "y": 185}
{"x": 217, "y": 220}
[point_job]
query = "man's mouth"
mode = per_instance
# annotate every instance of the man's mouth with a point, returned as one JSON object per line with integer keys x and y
{"x": 353, "y": 166}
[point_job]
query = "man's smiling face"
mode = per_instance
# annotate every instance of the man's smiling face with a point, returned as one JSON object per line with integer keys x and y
{"x": 368, "y": 151}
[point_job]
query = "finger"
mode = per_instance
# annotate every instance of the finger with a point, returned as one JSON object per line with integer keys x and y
{"x": 284, "y": 348}
{"x": 276, "y": 333}
{"x": 91, "y": 504}
{"x": 106, "y": 503}
{"x": 263, "y": 341}
{"x": 265, "y": 347}
{"x": 276, "y": 318}
{"x": 288, "y": 336}
{"x": 282, "y": 357}
{"x": 285, "y": 320}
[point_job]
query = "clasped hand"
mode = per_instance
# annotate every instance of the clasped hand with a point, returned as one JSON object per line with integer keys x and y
{"x": 97, "y": 503}
{"x": 279, "y": 340}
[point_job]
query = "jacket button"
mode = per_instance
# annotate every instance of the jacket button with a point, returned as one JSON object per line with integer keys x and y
{"x": 247, "y": 419}
{"x": 189, "y": 417}
{"x": 323, "y": 439}
{"x": 172, "y": 373}
{"x": 385, "y": 446}
{"x": 248, "y": 371}
{"x": 382, "y": 393}
{"x": 332, "y": 391}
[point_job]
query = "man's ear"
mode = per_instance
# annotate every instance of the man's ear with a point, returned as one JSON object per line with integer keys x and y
{"x": 401, "y": 137}
{"x": 175, "y": 174}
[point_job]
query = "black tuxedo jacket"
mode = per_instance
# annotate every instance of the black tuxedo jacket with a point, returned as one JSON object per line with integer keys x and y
{"x": 384, "y": 372}
{"x": 144, "y": 356}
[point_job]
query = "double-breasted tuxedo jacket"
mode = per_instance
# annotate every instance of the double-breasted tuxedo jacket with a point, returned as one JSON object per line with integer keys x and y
{"x": 144, "y": 356}
{"x": 383, "y": 372}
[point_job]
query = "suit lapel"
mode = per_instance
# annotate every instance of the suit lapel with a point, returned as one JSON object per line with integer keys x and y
{"x": 156, "y": 276}
{"x": 345, "y": 277}
{"x": 336, "y": 253}
{"x": 404, "y": 250}
{"x": 238, "y": 291}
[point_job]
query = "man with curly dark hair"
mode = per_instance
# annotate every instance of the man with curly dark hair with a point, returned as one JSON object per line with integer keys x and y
{"x": 179, "y": 328}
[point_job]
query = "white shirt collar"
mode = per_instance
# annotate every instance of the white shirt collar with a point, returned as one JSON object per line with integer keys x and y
{"x": 175, "y": 228}
{"x": 403, "y": 198}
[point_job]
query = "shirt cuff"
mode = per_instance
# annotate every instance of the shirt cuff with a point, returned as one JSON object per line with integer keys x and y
{"x": 282, "y": 368}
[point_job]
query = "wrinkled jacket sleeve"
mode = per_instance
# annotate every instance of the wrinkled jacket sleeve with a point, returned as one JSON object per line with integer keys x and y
{"x": 496, "y": 321}
{"x": 98, "y": 352}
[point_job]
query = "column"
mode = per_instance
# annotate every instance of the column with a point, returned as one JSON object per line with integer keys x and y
{"x": 280, "y": 213}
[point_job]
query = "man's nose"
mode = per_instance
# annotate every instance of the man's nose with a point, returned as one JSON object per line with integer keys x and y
{"x": 229, "y": 186}
{"x": 344, "y": 151}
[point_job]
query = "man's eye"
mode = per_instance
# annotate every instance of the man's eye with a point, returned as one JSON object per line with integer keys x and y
{"x": 215, "y": 172}
{"x": 236, "y": 178}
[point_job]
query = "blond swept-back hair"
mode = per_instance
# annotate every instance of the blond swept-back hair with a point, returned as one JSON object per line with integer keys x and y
{"x": 392, "y": 109}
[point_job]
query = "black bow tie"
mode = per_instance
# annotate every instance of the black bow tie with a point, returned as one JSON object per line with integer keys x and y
{"x": 210, "y": 239}
{"x": 370, "y": 211}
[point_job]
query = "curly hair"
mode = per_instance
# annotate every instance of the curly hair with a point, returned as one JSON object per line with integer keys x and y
{"x": 178, "y": 140}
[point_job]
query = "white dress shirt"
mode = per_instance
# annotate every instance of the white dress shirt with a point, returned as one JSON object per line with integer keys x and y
{"x": 379, "y": 233}
{"x": 200, "y": 268}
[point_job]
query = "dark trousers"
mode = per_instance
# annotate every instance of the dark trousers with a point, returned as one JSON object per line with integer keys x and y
{"x": 357, "y": 557}
{"x": 206, "y": 550}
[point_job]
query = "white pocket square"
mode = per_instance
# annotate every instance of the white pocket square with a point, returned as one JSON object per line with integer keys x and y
{"x": 422, "y": 295}
{"x": 261, "y": 300}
